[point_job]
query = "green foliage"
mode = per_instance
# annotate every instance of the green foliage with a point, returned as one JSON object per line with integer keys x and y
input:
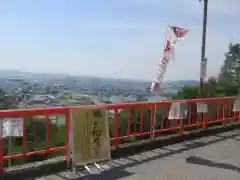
{"x": 211, "y": 87}
{"x": 36, "y": 140}
{"x": 161, "y": 116}
{"x": 229, "y": 76}
{"x": 226, "y": 84}
{"x": 108, "y": 102}
{"x": 187, "y": 92}
{"x": 5, "y": 101}
{"x": 129, "y": 122}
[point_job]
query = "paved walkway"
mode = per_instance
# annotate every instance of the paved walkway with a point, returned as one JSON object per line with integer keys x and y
{"x": 208, "y": 158}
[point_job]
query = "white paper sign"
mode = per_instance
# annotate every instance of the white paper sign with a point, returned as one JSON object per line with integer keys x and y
{"x": 1, "y": 127}
{"x": 177, "y": 111}
{"x": 12, "y": 127}
{"x": 203, "y": 70}
{"x": 202, "y": 107}
{"x": 236, "y": 107}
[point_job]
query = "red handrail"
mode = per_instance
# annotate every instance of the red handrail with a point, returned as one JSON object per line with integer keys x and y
{"x": 142, "y": 126}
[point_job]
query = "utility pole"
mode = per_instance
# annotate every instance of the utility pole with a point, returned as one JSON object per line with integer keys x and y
{"x": 203, "y": 65}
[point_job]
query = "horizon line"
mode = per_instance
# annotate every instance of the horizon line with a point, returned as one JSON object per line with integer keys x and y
{"x": 89, "y": 76}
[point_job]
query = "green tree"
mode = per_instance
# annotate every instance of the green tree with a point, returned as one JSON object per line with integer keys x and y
{"x": 187, "y": 92}
{"x": 226, "y": 84}
{"x": 229, "y": 77}
{"x": 6, "y": 101}
{"x": 3, "y": 101}
{"x": 211, "y": 87}
{"x": 135, "y": 116}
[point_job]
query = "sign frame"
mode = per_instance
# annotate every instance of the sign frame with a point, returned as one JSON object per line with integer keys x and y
{"x": 76, "y": 156}
{"x": 11, "y": 127}
{"x": 236, "y": 105}
{"x": 202, "y": 107}
{"x": 177, "y": 111}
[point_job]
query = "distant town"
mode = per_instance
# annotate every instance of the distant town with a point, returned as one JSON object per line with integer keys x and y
{"x": 36, "y": 90}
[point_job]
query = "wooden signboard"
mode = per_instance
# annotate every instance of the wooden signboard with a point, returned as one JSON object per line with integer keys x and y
{"x": 89, "y": 135}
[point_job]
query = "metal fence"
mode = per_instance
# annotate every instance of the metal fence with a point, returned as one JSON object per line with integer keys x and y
{"x": 46, "y": 130}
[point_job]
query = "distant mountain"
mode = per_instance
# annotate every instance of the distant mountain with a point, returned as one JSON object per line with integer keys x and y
{"x": 182, "y": 82}
{"x": 30, "y": 75}
{"x": 48, "y": 76}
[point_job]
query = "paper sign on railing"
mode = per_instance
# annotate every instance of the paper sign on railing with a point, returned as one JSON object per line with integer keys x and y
{"x": 11, "y": 127}
{"x": 1, "y": 128}
{"x": 177, "y": 111}
{"x": 236, "y": 106}
{"x": 202, "y": 107}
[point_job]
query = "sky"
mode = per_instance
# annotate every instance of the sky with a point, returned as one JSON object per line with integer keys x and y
{"x": 113, "y": 38}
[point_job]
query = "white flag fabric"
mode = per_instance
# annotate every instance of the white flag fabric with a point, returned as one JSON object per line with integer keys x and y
{"x": 173, "y": 35}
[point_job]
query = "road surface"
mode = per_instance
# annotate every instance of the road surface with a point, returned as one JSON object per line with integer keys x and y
{"x": 216, "y": 157}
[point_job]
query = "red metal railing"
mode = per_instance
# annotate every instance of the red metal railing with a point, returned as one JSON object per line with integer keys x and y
{"x": 128, "y": 122}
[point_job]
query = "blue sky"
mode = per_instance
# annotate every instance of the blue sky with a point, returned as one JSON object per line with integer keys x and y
{"x": 112, "y": 38}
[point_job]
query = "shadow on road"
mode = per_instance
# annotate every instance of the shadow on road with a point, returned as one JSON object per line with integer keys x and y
{"x": 120, "y": 164}
{"x": 209, "y": 163}
{"x": 141, "y": 156}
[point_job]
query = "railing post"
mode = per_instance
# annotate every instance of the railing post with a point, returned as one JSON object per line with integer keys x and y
{"x": 181, "y": 127}
{"x": 235, "y": 116}
{"x": 116, "y": 128}
{"x": 1, "y": 147}
{"x": 67, "y": 135}
{"x": 1, "y": 154}
{"x": 129, "y": 123}
{"x": 47, "y": 131}
{"x": 223, "y": 116}
{"x": 236, "y": 108}
{"x": 204, "y": 121}
{"x": 202, "y": 109}
{"x": 24, "y": 145}
{"x": 153, "y": 121}
{"x": 9, "y": 150}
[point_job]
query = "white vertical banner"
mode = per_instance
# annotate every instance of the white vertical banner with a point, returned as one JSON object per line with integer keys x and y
{"x": 1, "y": 128}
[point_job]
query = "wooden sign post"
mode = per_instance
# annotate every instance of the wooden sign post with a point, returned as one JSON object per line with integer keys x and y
{"x": 90, "y": 139}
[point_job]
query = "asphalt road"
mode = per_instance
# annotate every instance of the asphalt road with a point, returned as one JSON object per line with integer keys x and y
{"x": 215, "y": 157}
